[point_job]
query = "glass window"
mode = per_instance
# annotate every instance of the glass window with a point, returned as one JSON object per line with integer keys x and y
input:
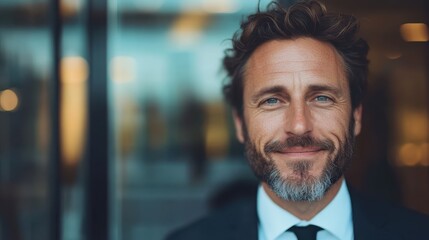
{"x": 25, "y": 118}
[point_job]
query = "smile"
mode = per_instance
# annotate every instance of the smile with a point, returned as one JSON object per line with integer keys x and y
{"x": 300, "y": 151}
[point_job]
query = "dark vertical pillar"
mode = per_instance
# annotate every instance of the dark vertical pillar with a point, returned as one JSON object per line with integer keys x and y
{"x": 426, "y": 6}
{"x": 55, "y": 158}
{"x": 97, "y": 158}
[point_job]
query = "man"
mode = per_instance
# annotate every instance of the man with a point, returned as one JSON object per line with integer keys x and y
{"x": 297, "y": 81}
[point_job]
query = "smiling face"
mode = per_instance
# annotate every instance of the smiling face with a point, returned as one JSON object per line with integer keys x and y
{"x": 298, "y": 125}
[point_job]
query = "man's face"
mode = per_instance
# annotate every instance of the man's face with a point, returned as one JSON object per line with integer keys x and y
{"x": 298, "y": 126}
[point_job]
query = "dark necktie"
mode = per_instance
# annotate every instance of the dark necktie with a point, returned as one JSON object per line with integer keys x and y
{"x": 305, "y": 233}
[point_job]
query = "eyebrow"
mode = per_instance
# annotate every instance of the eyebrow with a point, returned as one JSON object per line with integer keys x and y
{"x": 324, "y": 88}
{"x": 268, "y": 90}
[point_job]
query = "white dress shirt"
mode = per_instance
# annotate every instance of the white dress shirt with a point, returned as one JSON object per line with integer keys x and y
{"x": 335, "y": 218}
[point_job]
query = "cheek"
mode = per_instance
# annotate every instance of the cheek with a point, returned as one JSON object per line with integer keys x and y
{"x": 263, "y": 128}
{"x": 332, "y": 124}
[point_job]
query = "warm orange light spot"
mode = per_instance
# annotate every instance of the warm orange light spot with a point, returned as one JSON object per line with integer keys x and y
{"x": 414, "y": 32}
{"x": 73, "y": 110}
{"x": 414, "y": 126}
{"x": 74, "y": 69}
{"x": 8, "y": 100}
{"x": 70, "y": 8}
{"x": 410, "y": 154}
{"x": 187, "y": 29}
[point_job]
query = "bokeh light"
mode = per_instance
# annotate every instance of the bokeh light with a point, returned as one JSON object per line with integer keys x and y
{"x": 8, "y": 100}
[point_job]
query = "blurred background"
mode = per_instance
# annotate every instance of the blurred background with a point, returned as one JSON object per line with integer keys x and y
{"x": 113, "y": 126}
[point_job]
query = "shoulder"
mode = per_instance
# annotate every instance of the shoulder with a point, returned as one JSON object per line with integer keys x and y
{"x": 389, "y": 218}
{"x": 221, "y": 223}
{"x": 405, "y": 221}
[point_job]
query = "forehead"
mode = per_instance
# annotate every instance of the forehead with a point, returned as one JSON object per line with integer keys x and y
{"x": 304, "y": 56}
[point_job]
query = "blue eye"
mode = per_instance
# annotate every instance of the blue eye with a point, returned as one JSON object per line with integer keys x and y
{"x": 271, "y": 101}
{"x": 322, "y": 99}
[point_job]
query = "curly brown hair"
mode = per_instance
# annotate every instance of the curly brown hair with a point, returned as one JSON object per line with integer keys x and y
{"x": 302, "y": 19}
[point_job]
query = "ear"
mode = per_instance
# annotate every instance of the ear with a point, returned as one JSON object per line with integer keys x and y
{"x": 238, "y": 123}
{"x": 357, "y": 115}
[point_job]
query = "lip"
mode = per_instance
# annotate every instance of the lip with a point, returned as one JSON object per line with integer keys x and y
{"x": 300, "y": 151}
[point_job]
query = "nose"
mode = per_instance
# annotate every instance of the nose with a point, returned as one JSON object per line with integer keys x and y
{"x": 298, "y": 119}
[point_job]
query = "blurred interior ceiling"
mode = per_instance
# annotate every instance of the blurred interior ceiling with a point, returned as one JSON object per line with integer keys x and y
{"x": 32, "y": 11}
{"x": 380, "y": 20}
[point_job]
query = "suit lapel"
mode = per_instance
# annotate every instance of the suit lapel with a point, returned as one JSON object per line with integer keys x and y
{"x": 245, "y": 223}
{"x": 368, "y": 222}
{"x": 246, "y": 229}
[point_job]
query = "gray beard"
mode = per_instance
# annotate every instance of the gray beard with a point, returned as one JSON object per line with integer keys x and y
{"x": 307, "y": 187}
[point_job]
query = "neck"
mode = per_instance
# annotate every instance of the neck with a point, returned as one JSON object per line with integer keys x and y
{"x": 305, "y": 210}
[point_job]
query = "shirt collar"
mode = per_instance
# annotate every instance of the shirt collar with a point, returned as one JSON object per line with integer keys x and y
{"x": 274, "y": 220}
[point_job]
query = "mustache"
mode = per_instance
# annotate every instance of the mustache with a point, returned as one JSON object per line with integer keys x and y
{"x": 299, "y": 141}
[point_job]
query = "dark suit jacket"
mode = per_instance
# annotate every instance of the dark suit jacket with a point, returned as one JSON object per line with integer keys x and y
{"x": 371, "y": 220}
